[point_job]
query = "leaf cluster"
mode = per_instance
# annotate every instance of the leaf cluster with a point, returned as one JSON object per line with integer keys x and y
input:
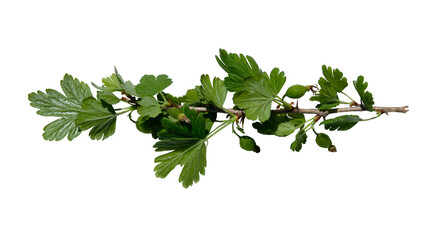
{"x": 182, "y": 132}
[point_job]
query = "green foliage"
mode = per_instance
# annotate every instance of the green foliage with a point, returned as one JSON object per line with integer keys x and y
{"x": 256, "y": 100}
{"x": 341, "y": 123}
{"x": 300, "y": 139}
{"x": 238, "y": 68}
{"x": 215, "y": 93}
{"x": 280, "y": 125}
{"x": 98, "y": 115}
{"x": 150, "y": 85}
{"x": 332, "y": 83}
{"x": 149, "y": 107}
{"x": 54, "y": 104}
{"x": 366, "y": 96}
{"x": 183, "y": 126}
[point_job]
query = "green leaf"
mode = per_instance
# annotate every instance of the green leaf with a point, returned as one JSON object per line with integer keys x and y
{"x": 300, "y": 139}
{"x": 112, "y": 83}
{"x": 335, "y": 77}
{"x": 332, "y": 83}
{"x": 238, "y": 68}
{"x": 150, "y": 85}
{"x": 52, "y": 103}
{"x": 105, "y": 94}
{"x": 99, "y": 116}
{"x": 191, "y": 97}
{"x": 150, "y": 125}
{"x": 193, "y": 160}
{"x": 277, "y": 80}
{"x": 256, "y": 101}
{"x": 366, "y": 96}
{"x": 215, "y": 93}
{"x": 280, "y": 125}
{"x": 341, "y": 123}
{"x": 149, "y": 107}
{"x": 129, "y": 88}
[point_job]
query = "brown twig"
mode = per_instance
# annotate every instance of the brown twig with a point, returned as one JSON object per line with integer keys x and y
{"x": 322, "y": 113}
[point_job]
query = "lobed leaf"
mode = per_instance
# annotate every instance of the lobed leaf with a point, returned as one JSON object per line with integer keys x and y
{"x": 98, "y": 115}
{"x": 149, "y": 107}
{"x": 238, "y": 68}
{"x": 150, "y": 85}
{"x": 366, "y": 96}
{"x": 52, "y": 103}
{"x": 215, "y": 93}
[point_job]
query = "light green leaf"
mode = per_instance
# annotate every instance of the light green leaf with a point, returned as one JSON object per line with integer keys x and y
{"x": 215, "y": 93}
{"x": 277, "y": 80}
{"x": 112, "y": 83}
{"x": 150, "y": 85}
{"x": 256, "y": 101}
{"x": 149, "y": 107}
{"x": 193, "y": 160}
{"x": 130, "y": 89}
{"x": 52, "y": 103}
{"x": 99, "y": 116}
{"x": 105, "y": 94}
{"x": 191, "y": 97}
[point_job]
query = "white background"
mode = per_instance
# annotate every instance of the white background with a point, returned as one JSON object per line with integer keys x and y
{"x": 379, "y": 185}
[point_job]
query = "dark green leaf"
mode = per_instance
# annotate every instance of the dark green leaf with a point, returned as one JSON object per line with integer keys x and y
{"x": 301, "y": 138}
{"x": 99, "y": 116}
{"x": 341, "y": 123}
{"x": 149, "y": 107}
{"x": 335, "y": 77}
{"x": 150, "y": 85}
{"x": 215, "y": 93}
{"x": 238, "y": 68}
{"x": 53, "y": 103}
{"x": 280, "y": 125}
{"x": 150, "y": 125}
{"x": 366, "y": 96}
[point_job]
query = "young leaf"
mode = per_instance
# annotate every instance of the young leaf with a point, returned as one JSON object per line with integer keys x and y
{"x": 191, "y": 97}
{"x": 149, "y": 107}
{"x": 150, "y": 85}
{"x": 335, "y": 77}
{"x": 301, "y": 138}
{"x": 238, "y": 68}
{"x": 216, "y": 93}
{"x": 332, "y": 83}
{"x": 105, "y": 94}
{"x": 112, "y": 83}
{"x": 341, "y": 123}
{"x": 280, "y": 125}
{"x": 52, "y": 103}
{"x": 277, "y": 80}
{"x": 366, "y": 96}
{"x": 99, "y": 116}
{"x": 256, "y": 101}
